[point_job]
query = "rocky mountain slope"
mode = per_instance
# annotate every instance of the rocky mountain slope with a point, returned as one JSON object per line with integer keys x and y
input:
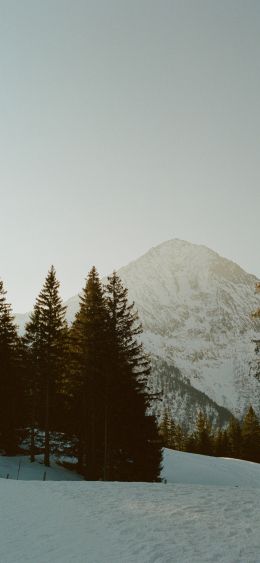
{"x": 195, "y": 309}
{"x": 196, "y": 312}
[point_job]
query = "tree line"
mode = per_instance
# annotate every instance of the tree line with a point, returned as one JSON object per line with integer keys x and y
{"x": 88, "y": 381}
{"x": 240, "y": 440}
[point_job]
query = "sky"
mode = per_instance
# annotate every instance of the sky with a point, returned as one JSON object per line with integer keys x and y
{"x": 125, "y": 123}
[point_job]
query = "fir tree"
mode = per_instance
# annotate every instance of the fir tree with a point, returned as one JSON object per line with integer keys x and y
{"x": 251, "y": 436}
{"x": 165, "y": 429}
{"x": 190, "y": 444}
{"x": 221, "y": 444}
{"x": 225, "y": 444}
{"x": 255, "y": 364}
{"x": 218, "y": 443}
{"x": 234, "y": 438}
{"x": 203, "y": 435}
{"x": 133, "y": 444}
{"x": 173, "y": 441}
{"x": 45, "y": 337}
{"x": 9, "y": 375}
{"x": 89, "y": 375}
{"x": 180, "y": 438}
{"x": 33, "y": 384}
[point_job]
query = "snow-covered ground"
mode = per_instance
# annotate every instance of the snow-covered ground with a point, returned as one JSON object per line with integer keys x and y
{"x": 178, "y": 467}
{"x": 177, "y": 522}
{"x": 21, "y": 468}
{"x": 127, "y": 523}
{"x": 185, "y": 468}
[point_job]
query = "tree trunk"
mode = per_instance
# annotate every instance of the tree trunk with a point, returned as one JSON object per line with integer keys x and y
{"x": 32, "y": 444}
{"x": 105, "y": 475}
{"x": 47, "y": 430}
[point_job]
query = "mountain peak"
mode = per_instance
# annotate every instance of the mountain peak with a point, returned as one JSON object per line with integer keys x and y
{"x": 180, "y": 251}
{"x": 179, "y": 258}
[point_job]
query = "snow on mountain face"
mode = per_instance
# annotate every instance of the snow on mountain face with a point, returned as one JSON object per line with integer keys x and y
{"x": 195, "y": 309}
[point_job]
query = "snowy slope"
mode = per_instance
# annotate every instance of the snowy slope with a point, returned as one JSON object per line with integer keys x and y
{"x": 20, "y": 467}
{"x": 186, "y": 468}
{"x": 136, "y": 522}
{"x": 177, "y": 467}
{"x": 195, "y": 308}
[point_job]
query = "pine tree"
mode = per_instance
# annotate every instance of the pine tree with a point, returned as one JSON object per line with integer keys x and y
{"x": 89, "y": 338}
{"x": 165, "y": 429}
{"x": 9, "y": 375}
{"x": 221, "y": 444}
{"x": 218, "y": 443}
{"x": 117, "y": 438}
{"x": 133, "y": 444}
{"x": 234, "y": 438}
{"x": 173, "y": 441}
{"x": 251, "y": 436}
{"x": 45, "y": 337}
{"x": 255, "y": 365}
{"x": 190, "y": 444}
{"x": 33, "y": 383}
{"x": 203, "y": 435}
{"x": 179, "y": 438}
{"x": 225, "y": 444}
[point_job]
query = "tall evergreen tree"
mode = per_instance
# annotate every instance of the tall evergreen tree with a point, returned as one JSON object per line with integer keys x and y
{"x": 251, "y": 436}
{"x": 255, "y": 364}
{"x": 117, "y": 438}
{"x": 203, "y": 435}
{"x": 45, "y": 337}
{"x": 234, "y": 438}
{"x": 33, "y": 384}
{"x": 133, "y": 445}
{"x": 165, "y": 429}
{"x": 218, "y": 443}
{"x": 9, "y": 375}
{"x": 179, "y": 438}
{"x": 89, "y": 338}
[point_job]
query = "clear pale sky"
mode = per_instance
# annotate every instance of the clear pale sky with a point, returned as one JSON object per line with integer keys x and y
{"x": 125, "y": 123}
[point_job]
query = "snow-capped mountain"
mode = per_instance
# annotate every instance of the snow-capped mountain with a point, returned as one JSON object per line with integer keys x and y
{"x": 195, "y": 307}
{"x": 196, "y": 312}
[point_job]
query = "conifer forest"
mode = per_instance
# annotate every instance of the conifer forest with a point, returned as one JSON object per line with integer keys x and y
{"x": 83, "y": 390}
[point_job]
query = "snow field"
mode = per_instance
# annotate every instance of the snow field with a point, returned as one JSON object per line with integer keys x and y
{"x": 209, "y": 511}
{"x": 182, "y": 467}
{"x": 127, "y": 523}
{"x": 21, "y": 467}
